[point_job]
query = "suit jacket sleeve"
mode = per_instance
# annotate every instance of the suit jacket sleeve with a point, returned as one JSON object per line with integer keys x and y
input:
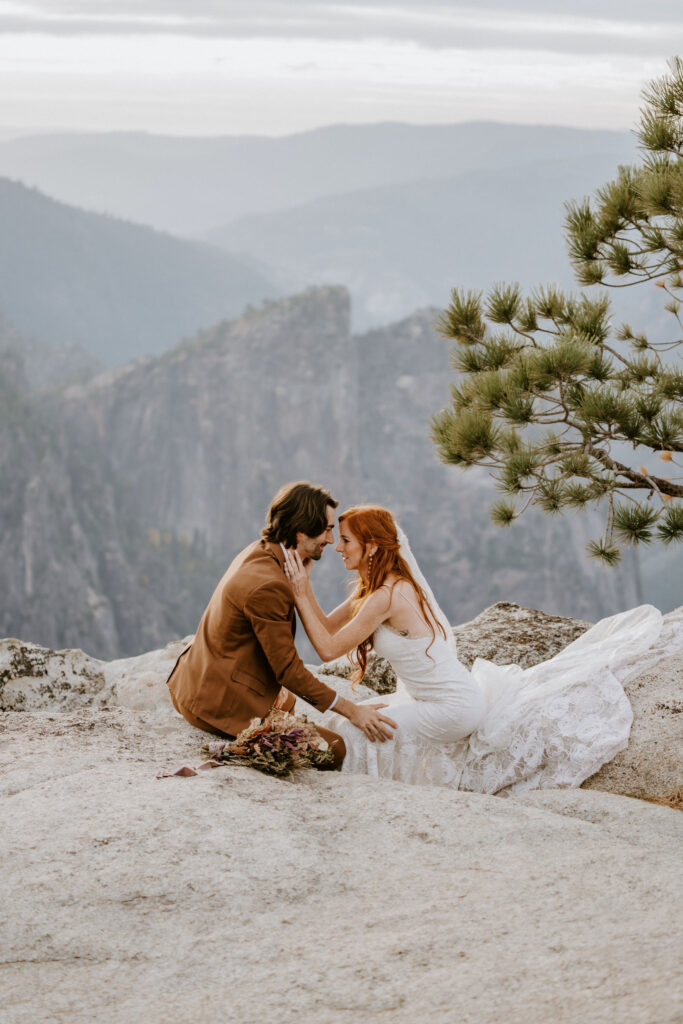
{"x": 268, "y": 609}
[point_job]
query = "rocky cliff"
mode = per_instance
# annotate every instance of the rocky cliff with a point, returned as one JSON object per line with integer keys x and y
{"x": 128, "y": 493}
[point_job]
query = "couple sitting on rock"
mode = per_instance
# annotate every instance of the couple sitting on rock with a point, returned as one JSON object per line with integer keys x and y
{"x": 489, "y": 729}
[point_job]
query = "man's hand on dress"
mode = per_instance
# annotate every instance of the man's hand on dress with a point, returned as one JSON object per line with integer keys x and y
{"x": 367, "y": 718}
{"x": 374, "y": 725}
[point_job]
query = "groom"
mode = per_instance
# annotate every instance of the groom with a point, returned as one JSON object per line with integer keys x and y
{"x": 242, "y": 661}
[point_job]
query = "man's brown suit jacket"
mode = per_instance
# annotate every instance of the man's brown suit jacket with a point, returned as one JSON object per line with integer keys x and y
{"x": 244, "y": 650}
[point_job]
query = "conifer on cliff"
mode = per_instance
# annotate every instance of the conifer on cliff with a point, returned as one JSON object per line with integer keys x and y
{"x": 564, "y": 410}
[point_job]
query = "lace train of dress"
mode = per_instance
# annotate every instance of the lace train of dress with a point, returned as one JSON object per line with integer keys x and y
{"x": 500, "y": 728}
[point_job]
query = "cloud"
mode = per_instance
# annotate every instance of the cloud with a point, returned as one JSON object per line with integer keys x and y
{"x": 586, "y": 26}
{"x": 276, "y": 66}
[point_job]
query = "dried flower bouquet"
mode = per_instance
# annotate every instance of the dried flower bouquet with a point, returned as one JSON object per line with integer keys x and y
{"x": 276, "y": 745}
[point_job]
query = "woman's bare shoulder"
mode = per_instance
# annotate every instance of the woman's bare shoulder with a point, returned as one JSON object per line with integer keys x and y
{"x": 395, "y": 585}
{"x": 402, "y": 586}
{"x": 383, "y": 596}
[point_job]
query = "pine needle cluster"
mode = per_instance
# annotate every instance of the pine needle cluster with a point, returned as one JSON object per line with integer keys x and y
{"x": 549, "y": 397}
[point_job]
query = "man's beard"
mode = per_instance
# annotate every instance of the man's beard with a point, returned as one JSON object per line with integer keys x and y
{"x": 314, "y": 551}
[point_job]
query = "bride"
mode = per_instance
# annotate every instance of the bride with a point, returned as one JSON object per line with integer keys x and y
{"x": 494, "y": 729}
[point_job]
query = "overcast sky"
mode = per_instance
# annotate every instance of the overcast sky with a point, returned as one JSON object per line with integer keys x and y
{"x": 279, "y": 66}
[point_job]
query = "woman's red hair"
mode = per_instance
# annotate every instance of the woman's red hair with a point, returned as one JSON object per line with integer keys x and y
{"x": 372, "y": 524}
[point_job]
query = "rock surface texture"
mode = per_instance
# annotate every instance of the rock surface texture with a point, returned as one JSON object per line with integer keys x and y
{"x": 324, "y": 898}
{"x": 508, "y": 634}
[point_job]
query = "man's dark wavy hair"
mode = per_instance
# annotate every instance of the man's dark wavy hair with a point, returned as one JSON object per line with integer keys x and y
{"x": 298, "y": 507}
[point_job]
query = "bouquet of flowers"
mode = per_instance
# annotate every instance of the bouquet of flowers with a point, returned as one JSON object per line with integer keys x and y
{"x": 276, "y": 745}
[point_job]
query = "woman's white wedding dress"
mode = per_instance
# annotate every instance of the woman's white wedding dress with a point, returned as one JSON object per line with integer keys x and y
{"x": 503, "y": 729}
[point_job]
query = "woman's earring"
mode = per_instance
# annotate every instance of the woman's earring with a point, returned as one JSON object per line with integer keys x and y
{"x": 370, "y": 557}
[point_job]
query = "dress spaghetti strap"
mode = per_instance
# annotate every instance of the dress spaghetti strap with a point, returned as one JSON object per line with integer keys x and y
{"x": 411, "y": 603}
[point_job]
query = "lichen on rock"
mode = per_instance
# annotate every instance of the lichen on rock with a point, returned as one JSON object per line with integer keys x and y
{"x": 379, "y": 675}
{"x": 32, "y": 677}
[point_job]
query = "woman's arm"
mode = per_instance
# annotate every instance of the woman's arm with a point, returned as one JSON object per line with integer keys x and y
{"x": 331, "y": 643}
{"x": 336, "y": 619}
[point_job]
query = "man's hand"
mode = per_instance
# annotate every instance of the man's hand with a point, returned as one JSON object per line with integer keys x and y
{"x": 367, "y": 718}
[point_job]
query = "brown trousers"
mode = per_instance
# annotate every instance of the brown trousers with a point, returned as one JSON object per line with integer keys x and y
{"x": 284, "y": 701}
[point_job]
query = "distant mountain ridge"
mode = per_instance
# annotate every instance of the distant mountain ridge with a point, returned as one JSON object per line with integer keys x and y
{"x": 401, "y": 247}
{"x": 398, "y": 214}
{"x": 116, "y": 289}
{"x": 190, "y": 185}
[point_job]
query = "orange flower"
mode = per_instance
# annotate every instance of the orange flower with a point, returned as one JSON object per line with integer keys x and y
{"x": 666, "y": 456}
{"x": 660, "y": 284}
{"x": 643, "y": 470}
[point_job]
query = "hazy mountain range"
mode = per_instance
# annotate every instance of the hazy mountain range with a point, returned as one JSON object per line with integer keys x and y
{"x": 397, "y": 214}
{"x": 190, "y": 185}
{"x": 400, "y": 247}
{"x": 117, "y": 289}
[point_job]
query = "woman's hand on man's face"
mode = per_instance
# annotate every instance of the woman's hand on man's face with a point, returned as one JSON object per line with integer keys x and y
{"x": 297, "y": 572}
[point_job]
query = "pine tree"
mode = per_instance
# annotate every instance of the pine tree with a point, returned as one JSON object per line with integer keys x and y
{"x": 549, "y": 397}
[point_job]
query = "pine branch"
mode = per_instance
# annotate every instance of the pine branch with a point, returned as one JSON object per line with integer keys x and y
{"x": 640, "y": 480}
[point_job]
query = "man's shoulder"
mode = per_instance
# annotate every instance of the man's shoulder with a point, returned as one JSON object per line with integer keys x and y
{"x": 263, "y": 589}
{"x": 258, "y": 565}
{"x": 260, "y": 557}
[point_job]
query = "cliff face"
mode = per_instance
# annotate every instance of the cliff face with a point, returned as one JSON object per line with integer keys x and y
{"x": 131, "y": 492}
{"x": 76, "y": 570}
{"x": 68, "y": 576}
{"x": 199, "y": 439}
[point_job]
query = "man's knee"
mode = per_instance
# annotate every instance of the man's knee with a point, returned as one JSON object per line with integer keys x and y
{"x": 285, "y": 700}
{"x": 337, "y": 746}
